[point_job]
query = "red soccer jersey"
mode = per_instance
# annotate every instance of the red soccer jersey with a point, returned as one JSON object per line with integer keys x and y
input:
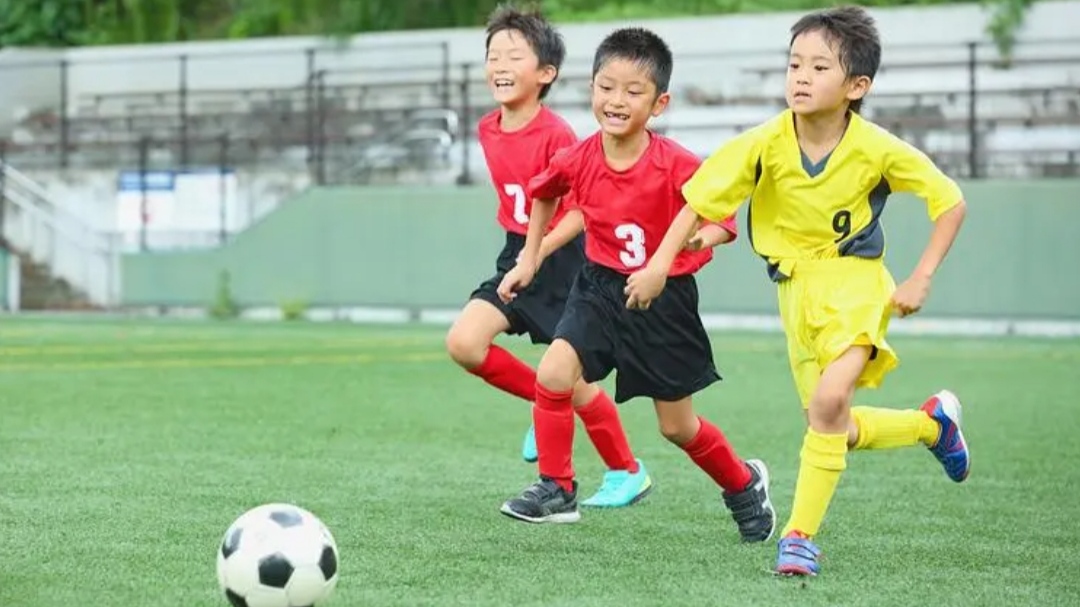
{"x": 626, "y": 213}
{"x": 514, "y": 158}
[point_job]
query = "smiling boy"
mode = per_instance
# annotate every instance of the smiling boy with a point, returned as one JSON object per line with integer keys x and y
{"x": 524, "y": 53}
{"x": 626, "y": 180}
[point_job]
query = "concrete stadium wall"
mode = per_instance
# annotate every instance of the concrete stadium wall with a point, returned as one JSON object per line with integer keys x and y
{"x": 412, "y": 55}
{"x": 428, "y": 247}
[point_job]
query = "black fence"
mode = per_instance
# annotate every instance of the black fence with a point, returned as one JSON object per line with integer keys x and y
{"x": 342, "y": 118}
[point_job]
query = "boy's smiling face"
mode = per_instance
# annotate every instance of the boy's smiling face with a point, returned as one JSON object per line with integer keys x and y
{"x": 513, "y": 70}
{"x": 624, "y": 97}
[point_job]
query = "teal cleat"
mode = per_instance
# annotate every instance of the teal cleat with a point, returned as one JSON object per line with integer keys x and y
{"x": 528, "y": 449}
{"x": 621, "y": 488}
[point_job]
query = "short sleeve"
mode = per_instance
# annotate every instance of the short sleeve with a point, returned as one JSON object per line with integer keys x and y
{"x": 907, "y": 169}
{"x": 685, "y": 166}
{"x": 726, "y": 179}
{"x": 555, "y": 181}
{"x": 569, "y": 200}
{"x": 563, "y": 139}
{"x": 729, "y": 225}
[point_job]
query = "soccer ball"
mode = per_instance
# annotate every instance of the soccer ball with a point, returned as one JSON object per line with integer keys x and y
{"x": 277, "y": 555}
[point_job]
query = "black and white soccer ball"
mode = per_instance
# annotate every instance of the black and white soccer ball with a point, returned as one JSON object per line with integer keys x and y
{"x": 277, "y": 555}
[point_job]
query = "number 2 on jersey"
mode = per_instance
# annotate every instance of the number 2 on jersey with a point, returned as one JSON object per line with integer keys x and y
{"x": 633, "y": 238}
{"x": 517, "y": 192}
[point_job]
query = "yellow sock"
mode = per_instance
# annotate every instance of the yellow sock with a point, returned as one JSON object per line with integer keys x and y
{"x": 822, "y": 459}
{"x": 891, "y": 428}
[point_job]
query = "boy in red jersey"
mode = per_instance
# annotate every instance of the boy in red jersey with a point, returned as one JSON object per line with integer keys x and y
{"x": 626, "y": 182}
{"x": 518, "y": 138}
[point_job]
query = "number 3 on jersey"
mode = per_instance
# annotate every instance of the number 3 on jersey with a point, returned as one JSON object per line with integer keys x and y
{"x": 633, "y": 238}
{"x": 517, "y": 192}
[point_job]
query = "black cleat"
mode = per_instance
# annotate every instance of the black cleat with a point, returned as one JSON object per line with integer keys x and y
{"x": 544, "y": 502}
{"x": 751, "y": 508}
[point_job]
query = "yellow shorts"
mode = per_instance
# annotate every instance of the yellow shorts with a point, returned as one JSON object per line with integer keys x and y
{"x": 828, "y": 306}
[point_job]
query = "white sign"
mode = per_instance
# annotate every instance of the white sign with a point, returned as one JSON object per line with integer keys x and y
{"x": 176, "y": 208}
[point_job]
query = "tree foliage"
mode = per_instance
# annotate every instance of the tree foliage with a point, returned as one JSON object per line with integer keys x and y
{"x": 61, "y": 23}
{"x": 1007, "y": 19}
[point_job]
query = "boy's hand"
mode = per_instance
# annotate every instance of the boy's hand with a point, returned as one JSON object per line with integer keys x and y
{"x": 696, "y": 242}
{"x": 910, "y": 296}
{"x": 643, "y": 286}
{"x": 706, "y": 237}
{"x": 516, "y": 280}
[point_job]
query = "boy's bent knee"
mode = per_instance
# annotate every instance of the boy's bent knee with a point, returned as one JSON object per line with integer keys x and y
{"x": 678, "y": 422}
{"x": 830, "y": 408}
{"x": 467, "y": 350}
{"x": 560, "y": 368}
{"x": 585, "y": 393}
{"x": 473, "y": 332}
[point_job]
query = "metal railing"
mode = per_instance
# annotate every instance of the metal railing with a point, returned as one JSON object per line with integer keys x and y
{"x": 341, "y": 110}
{"x": 30, "y": 222}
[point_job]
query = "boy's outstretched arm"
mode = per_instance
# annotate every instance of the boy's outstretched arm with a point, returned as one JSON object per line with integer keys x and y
{"x": 543, "y": 209}
{"x": 910, "y": 296}
{"x": 646, "y": 284}
{"x": 569, "y": 227}
{"x": 714, "y": 192}
{"x": 545, "y": 190}
{"x": 708, "y": 236}
{"x": 907, "y": 169}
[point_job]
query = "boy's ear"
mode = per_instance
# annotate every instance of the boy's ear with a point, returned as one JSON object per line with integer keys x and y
{"x": 548, "y": 73}
{"x": 661, "y": 103}
{"x": 858, "y": 87}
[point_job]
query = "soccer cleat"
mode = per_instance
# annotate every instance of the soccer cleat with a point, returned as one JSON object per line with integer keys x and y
{"x": 951, "y": 448}
{"x": 528, "y": 448}
{"x": 752, "y": 508}
{"x": 544, "y": 502}
{"x": 621, "y": 488}
{"x": 797, "y": 556}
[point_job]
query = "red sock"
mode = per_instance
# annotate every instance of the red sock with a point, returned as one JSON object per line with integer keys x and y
{"x": 605, "y": 430}
{"x": 553, "y": 417}
{"x": 711, "y": 451}
{"x": 507, "y": 373}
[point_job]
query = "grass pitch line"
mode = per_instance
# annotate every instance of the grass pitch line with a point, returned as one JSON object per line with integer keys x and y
{"x": 218, "y": 345}
{"x": 223, "y": 362}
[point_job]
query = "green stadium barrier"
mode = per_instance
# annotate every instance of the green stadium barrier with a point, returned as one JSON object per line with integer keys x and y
{"x": 428, "y": 248}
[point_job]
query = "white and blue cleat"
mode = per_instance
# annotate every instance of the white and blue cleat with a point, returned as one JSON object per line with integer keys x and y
{"x": 950, "y": 449}
{"x": 798, "y": 556}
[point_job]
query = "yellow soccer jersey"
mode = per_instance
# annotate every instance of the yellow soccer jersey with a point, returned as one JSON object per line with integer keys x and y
{"x": 799, "y": 210}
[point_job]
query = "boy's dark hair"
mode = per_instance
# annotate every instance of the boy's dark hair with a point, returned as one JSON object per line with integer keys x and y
{"x": 642, "y": 47}
{"x": 855, "y": 35}
{"x": 545, "y": 41}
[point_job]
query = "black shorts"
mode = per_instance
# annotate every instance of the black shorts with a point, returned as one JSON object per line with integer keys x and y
{"x": 537, "y": 309}
{"x": 663, "y": 353}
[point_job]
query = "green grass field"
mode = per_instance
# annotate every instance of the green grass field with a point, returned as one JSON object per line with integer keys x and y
{"x": 126, "y": 448}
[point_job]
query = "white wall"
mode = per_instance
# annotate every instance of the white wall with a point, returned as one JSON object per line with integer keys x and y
{"x": 31, "y": 81}
{"x": 90, "y": 196}
{"x": 281, "y": 62}
{"x": 710, "y": 52}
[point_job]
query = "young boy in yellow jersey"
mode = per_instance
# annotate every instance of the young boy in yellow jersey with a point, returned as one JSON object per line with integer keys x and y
{"x": 817, "y": 177}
